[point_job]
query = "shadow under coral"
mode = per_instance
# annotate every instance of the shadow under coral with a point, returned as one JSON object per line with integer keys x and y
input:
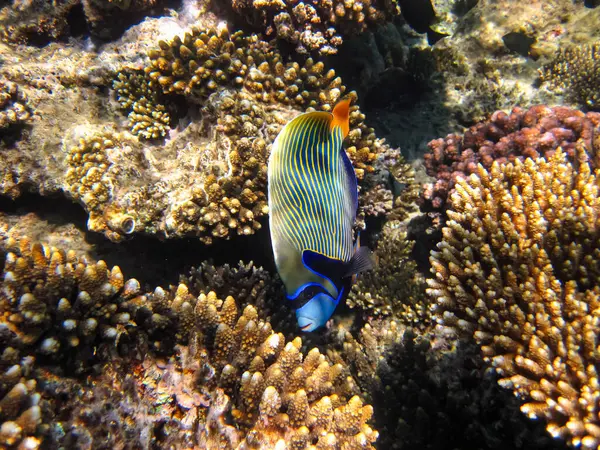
{"x": 435, "y": 398}
{"x": 151, "y": 261}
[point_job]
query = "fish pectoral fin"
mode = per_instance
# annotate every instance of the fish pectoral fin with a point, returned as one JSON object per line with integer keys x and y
{"x": 361, "y": 261}
{"x": 326, "y": 267}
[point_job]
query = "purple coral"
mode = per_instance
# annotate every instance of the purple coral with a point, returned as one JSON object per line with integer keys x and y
{"x": 537, "y": 131}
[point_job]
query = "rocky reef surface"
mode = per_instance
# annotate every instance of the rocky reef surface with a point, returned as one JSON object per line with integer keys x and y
{"x": 139, "y": 302}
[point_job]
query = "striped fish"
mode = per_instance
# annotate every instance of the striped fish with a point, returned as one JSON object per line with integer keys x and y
{"x": 313, "y": 198}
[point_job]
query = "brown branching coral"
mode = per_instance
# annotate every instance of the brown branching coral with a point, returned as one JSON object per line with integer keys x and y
{"x": 430, "y": 392}
{"x": 60, "y": 307}
{"x": 231, "y": 382}
{"x": 14, "y": 108}
{"x": 317, "y": 26}
{"x": 518, "y": 271}
{"x": 576, "y": 72}
{"x": 394, "y": 287}
{"x": 20, "y": 402}
{"x": 391, "y": 190}
{"x": 140, "y": 97}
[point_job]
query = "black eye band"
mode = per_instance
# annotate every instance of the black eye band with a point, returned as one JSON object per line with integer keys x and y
{"x": 306, "y": 295}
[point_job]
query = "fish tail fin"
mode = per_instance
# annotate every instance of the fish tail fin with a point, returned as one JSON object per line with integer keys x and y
{"x": 341, "y": 116}
{"x": 361, "y": 261}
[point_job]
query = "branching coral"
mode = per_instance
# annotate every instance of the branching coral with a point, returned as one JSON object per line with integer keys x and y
{"x": 431, "y": 392}
{"x": 20, "y": 402}
{"x": 576, "y": 72}
{"x": 231, "y": 382}
{"x": 394, "y": 287}
{"x": 391, "y": 190}
{"x": 206, "y": 61}
{"x": 140, "y": 97}
{"x": 317, "y": 26}
{"x": 57, "y": 306}
{"x": 538, "y": 131}
{"x": 14, "y": 108}
{"x": 518, "y": 270}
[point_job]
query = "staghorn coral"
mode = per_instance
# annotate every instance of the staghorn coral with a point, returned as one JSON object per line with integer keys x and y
{"x": 14, "y": 108}
{"x": 316, "y": 26}
{"x": 394, "y": 287}
{"x": 140, "y": 97}
{"x": 576, "y": 72}
{"x": 518, "y": 271}
{"x": 538, "y": 131}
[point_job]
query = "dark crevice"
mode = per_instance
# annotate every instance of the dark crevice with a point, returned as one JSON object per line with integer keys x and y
{"x": 150, "y": 260}
{"x": 76, "y": 21}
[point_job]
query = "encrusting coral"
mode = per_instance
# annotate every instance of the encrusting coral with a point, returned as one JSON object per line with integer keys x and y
{"x": 518, "y": 271}
{"x": 576, "y": 72}
{"x": 316, "y": 26}
{"x": 537, "y": 131}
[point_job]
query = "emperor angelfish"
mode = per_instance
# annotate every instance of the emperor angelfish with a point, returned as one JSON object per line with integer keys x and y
{"x": 313, "y": 198}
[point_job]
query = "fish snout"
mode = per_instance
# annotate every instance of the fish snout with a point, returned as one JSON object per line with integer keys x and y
{"x": 306, "y": 324}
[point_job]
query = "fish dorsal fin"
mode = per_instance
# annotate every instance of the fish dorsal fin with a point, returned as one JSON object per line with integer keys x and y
{"x": 330, "y": 268}
{"x": 361, "y": 261}
{"x": 341, "y": 116}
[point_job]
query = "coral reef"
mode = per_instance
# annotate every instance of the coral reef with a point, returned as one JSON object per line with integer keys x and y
{"x": 229, "y": 94}
{"x": 62, "y": 308}
{"x": 20, "y": 402}
{"x": 140, "y": 97}
{"x": 38, "y": 22}
{"x": 576, "y": 72}
{"x": 430, "y": 391}
{"x": 517, "y": 270}
{"x": 538, "y": 131}
{"x": 317, "y": 26}
{"x": 13, "y": 105}
{"x": 80, "y": 318}
{"x": 394, "y": 287}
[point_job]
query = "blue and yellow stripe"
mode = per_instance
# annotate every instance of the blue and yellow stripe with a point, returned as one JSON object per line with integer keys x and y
{"x": 311, "y": 180}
